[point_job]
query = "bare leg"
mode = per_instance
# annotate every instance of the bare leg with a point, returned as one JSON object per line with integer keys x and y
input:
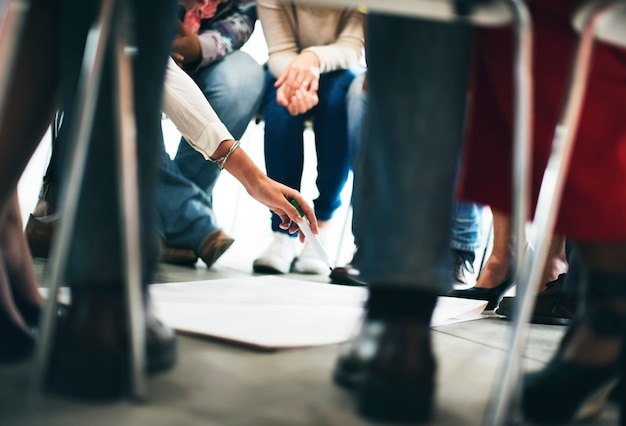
{"x": 498, "y": 265}
{"x": 17, "y": 258}
{"x": 31, "y": 96}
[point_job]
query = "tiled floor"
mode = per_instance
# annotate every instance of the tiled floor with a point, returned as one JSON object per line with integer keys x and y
{"x": 220, "y": 384}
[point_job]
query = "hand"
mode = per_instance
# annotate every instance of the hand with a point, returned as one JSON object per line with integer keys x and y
{"x": 302, "y": 73}
{"x": 186, "y": 47}
{"x": 276, "y": 197}
{"x": 302, "y": 101}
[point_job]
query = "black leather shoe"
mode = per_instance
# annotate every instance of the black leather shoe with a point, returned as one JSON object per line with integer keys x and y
{"x": 90, "y": 356}
{"x": 348, "y": 274}
{"x": 391, "y": 366}
{"x": 552, "y": 306}
{"x": 492, "y": 295}
{"x": 16, "y": 343}
{"x": 572, "y": 387}
{"x": 355, "y": 355}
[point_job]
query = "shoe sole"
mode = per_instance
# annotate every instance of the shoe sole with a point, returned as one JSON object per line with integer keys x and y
{"x": 218, "y": 253}
{"x": 343, "y": 280}
{"x": 388, "y": 401}
{"x": 536, "y": 319}
{"x": 264, "y": 269}
{"x": 346, "y": 379}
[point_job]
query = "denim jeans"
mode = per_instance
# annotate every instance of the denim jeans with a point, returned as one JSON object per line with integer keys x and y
{"x": 467, "y": 226}
{"x": 284, "y": 151}
{"x": 95, "y": 257}
{"x": 417, "y": 84}
{"x": 466, "y": 217}
{"x": 233, "y": 87}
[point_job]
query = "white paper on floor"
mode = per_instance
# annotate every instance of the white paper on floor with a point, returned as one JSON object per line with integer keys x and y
{"x": 273, "y": 312}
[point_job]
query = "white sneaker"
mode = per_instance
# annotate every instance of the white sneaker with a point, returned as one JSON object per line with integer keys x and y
{"x": 278, "y": 257}
{"x": 309, "y": 262}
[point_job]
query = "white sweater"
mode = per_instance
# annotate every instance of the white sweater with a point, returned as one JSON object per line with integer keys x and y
{"x": 335, "y": 35}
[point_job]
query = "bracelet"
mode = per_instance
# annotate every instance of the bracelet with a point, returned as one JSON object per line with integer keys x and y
{"x": 221, "y": 162}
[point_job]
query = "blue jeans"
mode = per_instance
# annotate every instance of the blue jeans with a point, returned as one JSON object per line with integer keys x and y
{"x": 284, "y": 151}
{"x": 466, "y": 217}
{"x": 233, "y": 87}
{"x": 417, "y": 83}
{"x": 467, "y": 226}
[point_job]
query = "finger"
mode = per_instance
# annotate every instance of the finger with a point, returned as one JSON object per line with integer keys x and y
{"x": 307, "y": 210}
{"x": 281, "y": 78}
{"x": 315, "y": 85}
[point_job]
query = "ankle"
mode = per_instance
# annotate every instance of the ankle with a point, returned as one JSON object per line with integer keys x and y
{"x": 392, "y": 303}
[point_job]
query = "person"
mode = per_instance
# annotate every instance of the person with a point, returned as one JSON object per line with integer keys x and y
{"x": 589, "y": 357}
{"x": 417, "y": 86}
{"x": 89, "y": 358}
{"x": 556, "y": 302}
{"x": 467, "y": 224}
{"x": 20, "y": 300}
{"x": 311, "y": 51}
{"x": 232, "y": 82}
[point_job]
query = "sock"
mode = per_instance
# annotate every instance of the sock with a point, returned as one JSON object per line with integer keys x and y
{"x": 391, "y": 303}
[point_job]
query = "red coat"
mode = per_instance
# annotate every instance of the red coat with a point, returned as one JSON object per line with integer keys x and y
{"x": 594, "y": 200}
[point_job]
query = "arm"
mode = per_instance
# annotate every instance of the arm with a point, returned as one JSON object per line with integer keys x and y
{"x": 268, "y": 192}
{"x": 347, "y": 49}
{"x": 194, "y": 117}
{"x": 225, "y": 35}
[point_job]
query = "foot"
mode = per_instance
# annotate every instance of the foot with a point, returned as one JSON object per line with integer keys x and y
{"x": 577, "y": 381}
{"x": 278, "y": 257}
{"x": 552, "y": 305}
{"x": 390, "y": 363}
{"x": 348, "y": 274}
{"x": 214, "y": 247}
{"x": 17, "y": 341}
{"x": 397, "y": 383}
{"x": 176, "y": 255}
{"x": 309, "y": 262}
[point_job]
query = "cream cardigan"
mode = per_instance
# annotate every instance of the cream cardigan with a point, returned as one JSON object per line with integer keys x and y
{"x": 335, "y": 35}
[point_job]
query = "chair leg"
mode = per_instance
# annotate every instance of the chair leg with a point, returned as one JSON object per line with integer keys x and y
{"x": 507, "y": 388}
{"x": 506, "y": 404}
{"x": 129, "y": 210}
{"x": 80, "y": 133}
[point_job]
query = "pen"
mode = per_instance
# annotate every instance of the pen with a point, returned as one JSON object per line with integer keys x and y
{"x": 305, "y": 227}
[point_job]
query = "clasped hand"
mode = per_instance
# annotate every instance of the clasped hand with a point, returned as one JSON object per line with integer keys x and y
{"x": 298, "y": 84}
{"x": 186, "y": 47}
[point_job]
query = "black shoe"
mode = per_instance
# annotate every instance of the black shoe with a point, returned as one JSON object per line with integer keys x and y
{"x": 356, "y": 354}
{"x": 567, "y": 390}
{"x": 463, "y": 266}
{"x": 492, "y": 295}
{"x": 348, "y": 274}
{"x": 552, "y": 306}
{"x": 16, "y": 343}
{"x": 399, "y": 380}
{"x": 90, "y": 356}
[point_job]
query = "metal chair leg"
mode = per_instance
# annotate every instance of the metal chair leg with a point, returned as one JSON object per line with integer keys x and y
{"x": 522, "y": 145}
{"x": 129, "y": 207}
{"x": 505, "y": 408}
